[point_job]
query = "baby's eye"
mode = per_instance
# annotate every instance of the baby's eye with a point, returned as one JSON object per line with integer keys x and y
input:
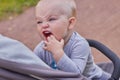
{"x": 52, "y": 19}
{"x": 39, "y": 22}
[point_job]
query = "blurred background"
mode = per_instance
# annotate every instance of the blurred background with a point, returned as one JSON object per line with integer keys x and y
{"x": 97, "y": 19}
{"x": 9, "y": 8}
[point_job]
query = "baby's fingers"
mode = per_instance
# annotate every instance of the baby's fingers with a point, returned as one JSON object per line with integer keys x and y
{"x": 62, "y": 41}
{"x": 45, "y": 43}
{"x": 45, "y": 47}
{"x": 53, "y": 37}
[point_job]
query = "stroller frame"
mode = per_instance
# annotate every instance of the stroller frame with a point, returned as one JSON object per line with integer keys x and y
{"x": 109, "y": 54}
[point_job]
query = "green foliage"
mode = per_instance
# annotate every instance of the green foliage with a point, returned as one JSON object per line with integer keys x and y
{"x": 14, "y": 7}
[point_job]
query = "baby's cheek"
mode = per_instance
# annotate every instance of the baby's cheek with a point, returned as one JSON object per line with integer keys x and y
{"x": 57, "y": 37}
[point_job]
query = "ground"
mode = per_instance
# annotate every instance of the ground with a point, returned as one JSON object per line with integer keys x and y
{"x": 97, "y": 19}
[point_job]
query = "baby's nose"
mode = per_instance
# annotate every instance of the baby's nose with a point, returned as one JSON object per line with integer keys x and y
{"x": 45, "y": 25}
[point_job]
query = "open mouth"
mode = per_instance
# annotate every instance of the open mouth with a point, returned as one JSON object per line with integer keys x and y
{"x": 47, "y": 33}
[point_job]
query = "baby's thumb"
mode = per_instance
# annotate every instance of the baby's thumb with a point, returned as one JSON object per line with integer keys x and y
{"x": 62, "y": 41}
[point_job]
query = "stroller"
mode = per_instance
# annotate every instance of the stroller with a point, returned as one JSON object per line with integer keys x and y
{"x": 17, "y": 62}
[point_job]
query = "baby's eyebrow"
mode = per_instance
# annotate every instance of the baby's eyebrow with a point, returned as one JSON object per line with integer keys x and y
{"x": 46, "y": 17}
{"x": 37, "y": 17}
{"x": 54, "y": 16}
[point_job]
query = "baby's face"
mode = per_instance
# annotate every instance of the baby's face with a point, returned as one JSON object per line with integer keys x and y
{"x": 51, "y": 21}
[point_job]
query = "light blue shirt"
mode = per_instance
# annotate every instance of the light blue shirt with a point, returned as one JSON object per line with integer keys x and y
{"x": 77, "y": 57}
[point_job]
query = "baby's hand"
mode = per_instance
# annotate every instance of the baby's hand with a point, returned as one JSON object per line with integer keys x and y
{"x": 54, "y": 46}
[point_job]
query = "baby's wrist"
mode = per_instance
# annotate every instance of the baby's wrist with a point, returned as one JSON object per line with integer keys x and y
{"x": 58, "y": 54}
{"x": 57, "y": 51}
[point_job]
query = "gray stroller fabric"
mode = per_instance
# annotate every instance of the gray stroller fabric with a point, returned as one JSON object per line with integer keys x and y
{"x": 10, "y": 75}
{"x": 106, "y": 66}
{"x": 12, "y": 50}
{"x": 17, "y": 62}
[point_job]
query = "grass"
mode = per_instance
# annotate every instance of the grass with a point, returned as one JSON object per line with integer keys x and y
{"x": 14, "y": 7}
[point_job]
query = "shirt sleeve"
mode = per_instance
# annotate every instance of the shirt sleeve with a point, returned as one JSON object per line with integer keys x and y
{"x": 39, "y": 50}
{"x": 78, "y": 59}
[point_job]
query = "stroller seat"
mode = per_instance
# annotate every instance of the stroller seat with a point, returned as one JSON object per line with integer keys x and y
{"x": 17, "y": 62}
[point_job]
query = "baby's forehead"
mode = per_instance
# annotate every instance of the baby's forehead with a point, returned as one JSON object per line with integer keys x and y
{"x": 54, "y": 5}
{"x": 51, "y": 13}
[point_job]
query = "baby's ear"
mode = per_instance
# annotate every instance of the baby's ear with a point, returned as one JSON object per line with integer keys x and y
{"x": 72, "y": 22}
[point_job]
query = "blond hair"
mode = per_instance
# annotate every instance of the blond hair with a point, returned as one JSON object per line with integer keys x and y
{"x": 67, "y": 6}
{"x": 70, "y": 4}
